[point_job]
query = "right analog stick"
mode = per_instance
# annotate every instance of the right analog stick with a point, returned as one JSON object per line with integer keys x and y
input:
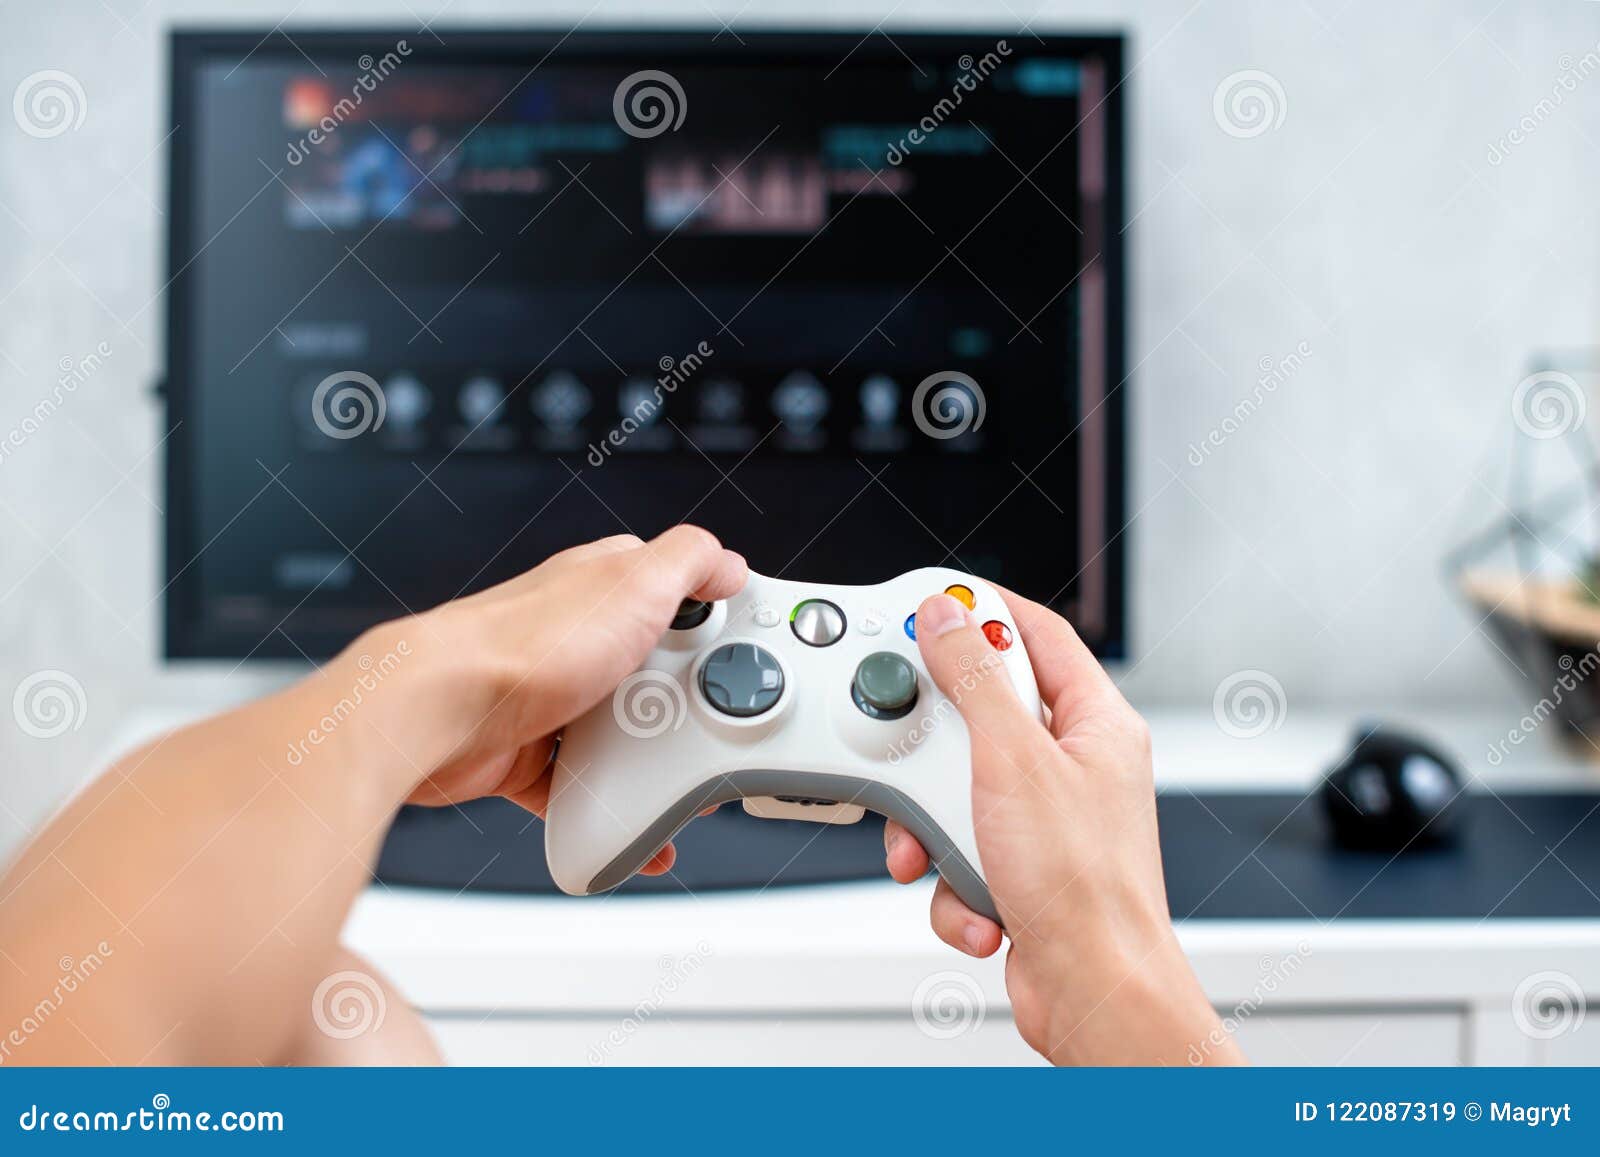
{"x": 885, "y": 685}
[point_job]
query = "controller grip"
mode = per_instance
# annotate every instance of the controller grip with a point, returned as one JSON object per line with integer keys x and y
{"x": 957, "y": 868}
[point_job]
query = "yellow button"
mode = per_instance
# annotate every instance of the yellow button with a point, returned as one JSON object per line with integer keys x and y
{"x": 962, "y": 594}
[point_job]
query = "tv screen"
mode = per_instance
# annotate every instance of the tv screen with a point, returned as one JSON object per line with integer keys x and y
{"x": 441, "y": 307}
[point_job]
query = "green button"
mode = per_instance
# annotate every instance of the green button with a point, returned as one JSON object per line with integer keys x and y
{"x": 885, "y": 686}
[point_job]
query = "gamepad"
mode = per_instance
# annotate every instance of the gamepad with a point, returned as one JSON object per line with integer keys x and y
{"x": 806, "y": 701}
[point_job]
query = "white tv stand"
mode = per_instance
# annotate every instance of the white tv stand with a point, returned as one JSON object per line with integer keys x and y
{"x": 829, "y": 974}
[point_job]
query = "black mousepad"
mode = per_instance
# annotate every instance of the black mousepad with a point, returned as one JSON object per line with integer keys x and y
{"x": 1227, "y": 856}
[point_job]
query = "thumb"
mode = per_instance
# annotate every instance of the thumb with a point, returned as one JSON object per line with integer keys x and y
{"x": 972, "y": 675}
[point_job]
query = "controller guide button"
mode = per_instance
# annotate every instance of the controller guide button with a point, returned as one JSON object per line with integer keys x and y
{"x": 691, "y": 613}
{"x": 817, "y": 622}
{"x": 998, "y": 634}
{"x": 885, "y": 685}
{"x": 741, "y": 680}
{"x": 962, "y": 595}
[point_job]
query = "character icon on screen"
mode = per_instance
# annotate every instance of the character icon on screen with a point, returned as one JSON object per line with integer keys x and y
{"x": 637, "y": 400}
{"x": 801, "y": 403}
{"x": 561, "y": 401}
{"x": 559, "y": 406}
{"x": 409, "y": 401}
{"x": 639, "y": 421}
{"x": 722, "y": 402}
{"x": 880, "y": 399}
{"x": 880, "y": 431}
{"x": 481, "y": 401}
{"x": 720, "y": 426}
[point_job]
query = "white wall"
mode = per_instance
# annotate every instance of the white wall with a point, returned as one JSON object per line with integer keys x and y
{"x": 1369, "y": 225}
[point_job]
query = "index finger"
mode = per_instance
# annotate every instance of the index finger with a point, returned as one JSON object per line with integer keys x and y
{"x": 694, "y": 564}
{"x": 1071, "y": 680}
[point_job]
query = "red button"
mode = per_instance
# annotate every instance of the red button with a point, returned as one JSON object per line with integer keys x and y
{"x": 998, "y": 634}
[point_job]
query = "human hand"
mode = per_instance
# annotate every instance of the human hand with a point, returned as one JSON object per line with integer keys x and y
{"x": 461, "y": 701}
{"x": 1066, "y": 828}
{"x": 491, "y": 679}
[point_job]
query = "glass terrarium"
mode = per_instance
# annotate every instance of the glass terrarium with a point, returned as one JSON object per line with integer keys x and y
{"x": 1533, "y": 572}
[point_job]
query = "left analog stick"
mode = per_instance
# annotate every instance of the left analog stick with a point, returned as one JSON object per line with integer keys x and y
{"x": 691, "y": 613}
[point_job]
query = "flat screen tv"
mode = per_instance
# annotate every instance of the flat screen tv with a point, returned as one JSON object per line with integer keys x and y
{"x": 443, "y": 303}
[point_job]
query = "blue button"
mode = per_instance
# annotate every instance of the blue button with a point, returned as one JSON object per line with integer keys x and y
{"x": 911, "y": 626}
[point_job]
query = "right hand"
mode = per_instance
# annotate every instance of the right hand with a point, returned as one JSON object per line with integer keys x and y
{"x": 1065, "y": 820}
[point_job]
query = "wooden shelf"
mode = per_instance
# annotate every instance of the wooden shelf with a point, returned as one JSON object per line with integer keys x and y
{"x": 1560, "y": 608}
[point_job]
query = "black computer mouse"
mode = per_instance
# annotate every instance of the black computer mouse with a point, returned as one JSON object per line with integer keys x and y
{"x": 1392, "y": 792}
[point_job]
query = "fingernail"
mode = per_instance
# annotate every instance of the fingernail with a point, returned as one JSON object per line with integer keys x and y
{"x": 894, "y": 842}
{"x": 941, "y": 615}
{"x": 974, "y": 938}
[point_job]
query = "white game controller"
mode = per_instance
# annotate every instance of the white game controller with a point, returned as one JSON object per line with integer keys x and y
{"x": 804, "y": 700}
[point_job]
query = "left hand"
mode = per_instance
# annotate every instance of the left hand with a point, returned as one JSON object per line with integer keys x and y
{"x": 494, "y": 677}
